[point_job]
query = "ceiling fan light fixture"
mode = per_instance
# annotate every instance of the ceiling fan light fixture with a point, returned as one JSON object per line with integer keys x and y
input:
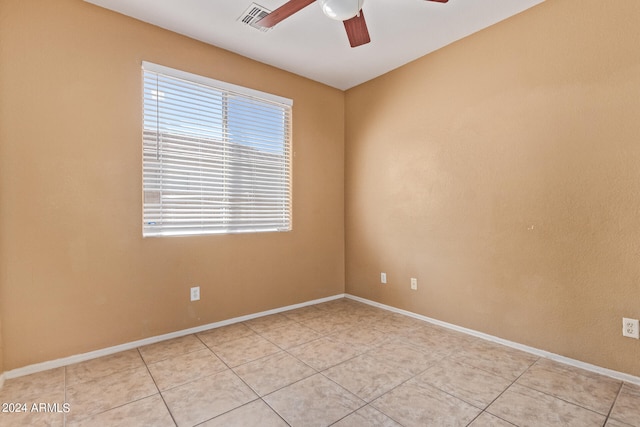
{"x": 341, "y": 10}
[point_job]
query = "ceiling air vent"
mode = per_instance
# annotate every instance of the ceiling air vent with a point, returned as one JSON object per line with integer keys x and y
{"x": 253, "y": 14}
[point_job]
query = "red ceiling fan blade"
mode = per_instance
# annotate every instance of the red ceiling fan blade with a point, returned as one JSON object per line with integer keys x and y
{"x": 439, "y": 1}
{"x": 283, "y": 12}
{"x": 357, "y": 30}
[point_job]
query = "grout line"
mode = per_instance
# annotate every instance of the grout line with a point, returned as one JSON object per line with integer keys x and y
{"x": 276, "y": 412}
{"x": 146, "y": 365}
{"x": 577, "y": 404}
{"x": 491, "y": 415}
{"x": 546, "y": 394}
{"x": 315, "y": 371}
{"x": 349, "y": 414}
{"x": 123, "y": 404}
{"x": 402, "y": 338}
{"x": 280, "y": 350}
{"x": 475, "y": 418}
{"x": 273, "y": 391}
{"x": 229, "y": 368}
{"x": 505, "y": 390}
{"x": 613, "y": 404}
{"x": 244, "y": 404}
{"x": 387, "y": 392}
{"x": 51, "y": 364}
{"x": 491, "y": 338}
{"x": 84, "y": 418}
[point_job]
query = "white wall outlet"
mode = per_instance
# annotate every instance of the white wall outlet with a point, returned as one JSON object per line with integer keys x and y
{"x": 383, "y": 277}
{"x": 195, "y": 293}
{"x": 414, "y": 283}
{"x": 630, "y": 328}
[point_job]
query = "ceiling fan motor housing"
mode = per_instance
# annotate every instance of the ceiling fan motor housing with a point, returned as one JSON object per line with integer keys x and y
{"x": 341, "y": 10}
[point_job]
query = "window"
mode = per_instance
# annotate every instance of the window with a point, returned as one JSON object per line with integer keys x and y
{"x": 216, "y": 157}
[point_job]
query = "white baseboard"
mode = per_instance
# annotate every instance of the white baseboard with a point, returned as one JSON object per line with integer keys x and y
{"x": 39, "y": 367}
{"x": 542, "y": 353}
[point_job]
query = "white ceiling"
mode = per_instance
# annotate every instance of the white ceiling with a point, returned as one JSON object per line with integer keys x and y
{"x": 314, "y": 46}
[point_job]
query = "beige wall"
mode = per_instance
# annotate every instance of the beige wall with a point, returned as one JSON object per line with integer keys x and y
{"x": 76, "y": 274}
{"x": 503, "y": 172}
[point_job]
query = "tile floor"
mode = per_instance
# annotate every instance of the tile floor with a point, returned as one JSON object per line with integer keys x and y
{"x": 340, "y": 363}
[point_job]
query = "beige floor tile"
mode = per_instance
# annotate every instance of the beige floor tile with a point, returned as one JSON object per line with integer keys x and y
{"x": 150, "y": 411}
{"x": 244, "y": 350}
{"x": 339, "y": 305}
{"x": 411, "y": 372}
{"x": 495, "y": 358}
{"x": 526, "y": 407}
{"x": 353, "y": 317}
{"x": 358, "y": 313}
{"x": 364, "y": 321}
{"x": 170, "y": 348}
{"x": 404, "y": 357}
{"x": 303, "y": 313}
{"x": 273, "y": 372}
{"x": 327, "y": 307}
{"x": 366, "y": 376}
{"x": 627, "y": 406}
{"x": 266, "y": 323}
{"x": 225, "y": 334}
{"x": 38, "y": 387}
{"x": 290, "y": 335}
{"x": 314, "y": 401}
{"x": 586, "y": 389}
{"x": 324, "y": 353}
{"x": 104, "y": 393}
{"x": 182, "y": 369}
{"x": 103, "y": 366}
{"x": 398, "y": 324}
{"x": 473, "y": 385}
{"x": 206, "y": 398}
{"x": 20, "y": 394}
{"x": 366, "y": 417}
{"x": 326, "y": 324}
{"x": 255, "y": 413}
{"x": 613, "y": 423}
{"x": 436, "y": 340}
{"x": 364, "y": 336}
{"x": 487, "y": 420}
{"x": 415, "y": 405}
{"x": 30, "y": 419}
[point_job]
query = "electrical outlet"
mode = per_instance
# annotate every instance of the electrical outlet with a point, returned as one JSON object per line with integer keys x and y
{"x": 383, "y": 277}
{"x": 195, "y": 293}
{"x": 630, "y": 328}
{"x": 414, "y": 283}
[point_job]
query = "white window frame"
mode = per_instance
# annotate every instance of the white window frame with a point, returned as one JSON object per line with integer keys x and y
{"x": 216, "y": 156}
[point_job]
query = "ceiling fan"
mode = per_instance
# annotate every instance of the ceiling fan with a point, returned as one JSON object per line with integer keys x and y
{"x": 347, "y": 11}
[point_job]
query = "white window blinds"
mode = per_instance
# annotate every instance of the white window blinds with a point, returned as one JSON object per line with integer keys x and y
{"x": 216, "y": 157}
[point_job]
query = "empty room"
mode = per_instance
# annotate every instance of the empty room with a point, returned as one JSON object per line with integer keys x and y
{"x": 227, "y": 213}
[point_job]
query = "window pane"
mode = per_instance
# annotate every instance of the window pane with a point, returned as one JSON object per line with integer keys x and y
{"x": 215, "y": 161}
